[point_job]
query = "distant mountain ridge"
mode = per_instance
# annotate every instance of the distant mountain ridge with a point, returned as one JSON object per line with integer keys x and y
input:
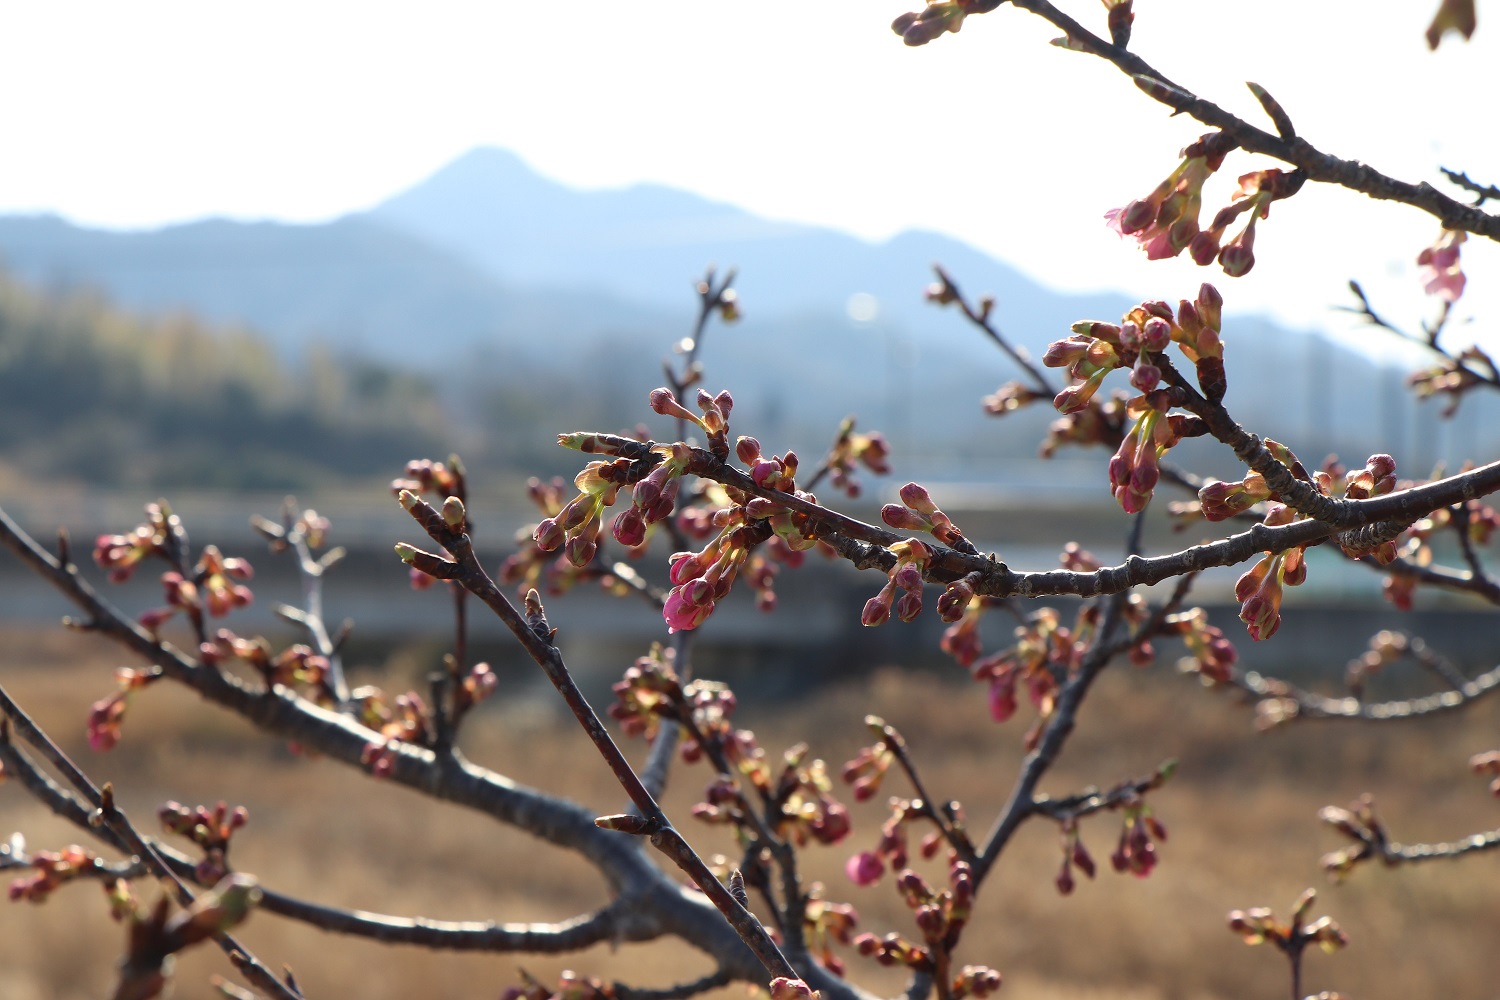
{"x": 640, "y": 241}
{"x": 490, "y": 273}
{"x": 354, "y": 283}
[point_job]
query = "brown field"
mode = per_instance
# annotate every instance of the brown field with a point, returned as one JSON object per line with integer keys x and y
{"x": 1241, "y": 812}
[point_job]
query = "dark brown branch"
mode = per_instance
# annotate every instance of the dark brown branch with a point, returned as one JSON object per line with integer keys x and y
{"x": 712, "y": 981}
{"x": 536, "y": 639}
{"x": 1459, "y": 520}
{"x": 935, "y": 810}
{"x": 625, "y": 920}
{"x": 106, "y": 813}
{"x": 1285, "y": 702}
{"x": 1458, "y": 364}
{"x": 1360, "y": 824}
{"x": 1396, "y": 853}
{"x": 1317, "y": 165}
{"x": 1092, "y": 800}
{"x": 575, "y": 934}
{"x": 1481, "y": 192}
{"x": 557, "y": 821}
{"x": 1442, "y": 576}
{"x": 980, "y": 318}
{"x": 1296, "y": 493}
{"x": 865, "y": 545}
{"x": 1022, "y": 801}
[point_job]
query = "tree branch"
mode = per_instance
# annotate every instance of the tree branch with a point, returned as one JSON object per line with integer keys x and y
{"x": 108, "y": 814}
{"x": 1317, "y": 165}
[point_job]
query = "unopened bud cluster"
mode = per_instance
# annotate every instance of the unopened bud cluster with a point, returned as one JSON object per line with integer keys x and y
{"x": 1259, "y": 925}
{"x": 1211, "y": 655}
{"x": 50, "y": 869}
{"x": 825, "y": 923}
{"x": 893, "y": 848}
{"x": 1441, "y": 271}
{"x": 1166, "y": 221}
{"x": 214, "y": 585}
{"x": 649, "y": 691}
{"x": 869, "y": 767}
{"x": 106, "y": 714}
{"x": 921, "y": 27}
{"x": 1259, "y": 589}
{"x": 407, "y": 720}
{"x": 577, "y": 526}
{"x": 917, "y": 512}
{"x": 1135, "y": 852}
{"x": 715, "y": 419}
{"x": 435, "y": 479}
{"x": 1135, "y": 343}
{"x": 532, "y": 566}
{"x": 940, "y": 916}
{"x": 703, "y": 578}
{"x": 852, "y": 449}
{"x": 210, "y": 829}
{"x": 905, "y": 576}
{"x": 118, "y": 555}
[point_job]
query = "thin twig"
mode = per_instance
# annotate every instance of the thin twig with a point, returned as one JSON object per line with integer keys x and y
{"x": 1285, "y": 702}
{"x": 536, "y": 639}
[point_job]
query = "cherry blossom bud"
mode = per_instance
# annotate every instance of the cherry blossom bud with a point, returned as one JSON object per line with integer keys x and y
{"x": 549, "y": 535}
{"x": 865, "y": 868}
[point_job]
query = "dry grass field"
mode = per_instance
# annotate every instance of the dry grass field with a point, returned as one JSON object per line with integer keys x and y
{"x": 1241, "y": 813}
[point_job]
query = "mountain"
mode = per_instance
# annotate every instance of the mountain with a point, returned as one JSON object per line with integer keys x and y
{"x": 352, "y": 284}
{"x": 646, "y": 243}
{"x": 541, "y": 307}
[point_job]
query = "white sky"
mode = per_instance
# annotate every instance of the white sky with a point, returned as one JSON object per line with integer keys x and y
{"x": 147, "y": 113}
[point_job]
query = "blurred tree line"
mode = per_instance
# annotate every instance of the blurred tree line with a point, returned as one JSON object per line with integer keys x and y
{"x": 94, "y": 395}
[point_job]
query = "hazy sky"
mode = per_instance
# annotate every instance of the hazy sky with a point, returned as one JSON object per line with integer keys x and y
{"x": 147, "y": 113}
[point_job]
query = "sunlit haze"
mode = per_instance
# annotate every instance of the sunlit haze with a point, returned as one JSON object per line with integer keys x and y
{"x": 143, "y": 114}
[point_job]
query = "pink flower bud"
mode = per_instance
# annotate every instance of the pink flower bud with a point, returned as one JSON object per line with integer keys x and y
{"x": 908, "y": 577}
{"x": 1145, "y": 377}
{"x": 1063, "y": 353}
{"x": 1156, "y": 334}
{"x": 629, "y": 528}
{"x": 580, "y": 550}
{"x": 877, "y": 610}
{"x": 1136, "y": 216}
{"x": 682, "y": 614}
{"x": 548, "y": 535}
{"x": 1237, "y": 258}
{"x": 1002, "y": 696}
{"x": 865, "y": 868}
{"x": 916, "y": 497}
{"x": 1210, "y": 306}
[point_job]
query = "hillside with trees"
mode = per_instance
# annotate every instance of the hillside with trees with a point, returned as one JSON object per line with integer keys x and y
{"x": 92, "y": 394}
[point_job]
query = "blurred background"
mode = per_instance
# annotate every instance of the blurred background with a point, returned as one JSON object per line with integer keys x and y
{"x": 246, "y": 252}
